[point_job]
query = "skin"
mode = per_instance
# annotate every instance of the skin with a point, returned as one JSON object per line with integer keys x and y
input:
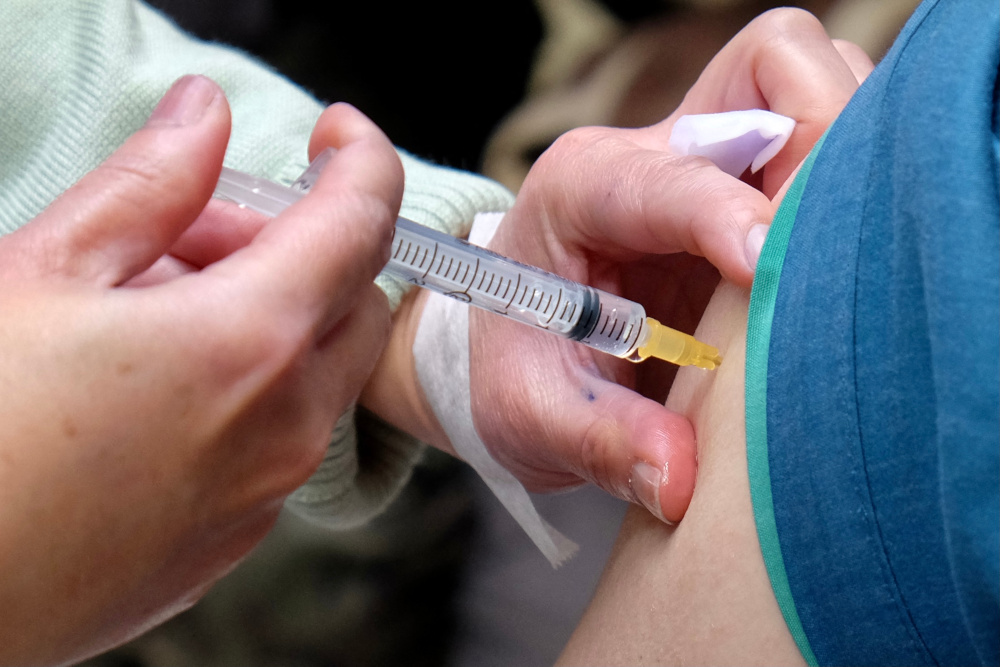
{"x": 151, "y": 432}
{"x": 175, "y": 380}
{"x": 615, "y": 209}
{"x": 697, "y": 593}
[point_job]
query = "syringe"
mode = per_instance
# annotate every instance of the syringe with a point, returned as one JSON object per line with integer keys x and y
{"x": 477, "y": 276}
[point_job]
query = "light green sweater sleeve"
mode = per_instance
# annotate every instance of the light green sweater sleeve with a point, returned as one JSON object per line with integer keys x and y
{"x": 79, "y": 76}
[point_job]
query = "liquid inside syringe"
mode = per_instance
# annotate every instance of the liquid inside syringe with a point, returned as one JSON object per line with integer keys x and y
{"x": 531, "y": 295}
{"x": 439, "y": 262}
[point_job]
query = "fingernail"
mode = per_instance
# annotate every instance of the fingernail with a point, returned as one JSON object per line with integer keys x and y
{"x": 754, "y": 244}
{"x": 185, "y": 102}
{"x": 646, "y": 482}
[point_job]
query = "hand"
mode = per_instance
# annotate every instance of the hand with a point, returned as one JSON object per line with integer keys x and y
{"x": 616, "y": 210}
{"x": 167, "y": 379}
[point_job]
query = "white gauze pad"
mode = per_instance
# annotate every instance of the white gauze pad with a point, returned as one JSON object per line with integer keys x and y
{"x": 733, "y": 140}
{"x": 441, "y": 354}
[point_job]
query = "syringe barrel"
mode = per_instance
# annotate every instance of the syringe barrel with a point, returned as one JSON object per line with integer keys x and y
{"x": 450, "y": 266}
{"x": 618, "y": 327}
{"x": 528, "y": 294}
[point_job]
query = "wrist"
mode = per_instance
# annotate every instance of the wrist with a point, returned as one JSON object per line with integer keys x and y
{"x": 394, "y": 392}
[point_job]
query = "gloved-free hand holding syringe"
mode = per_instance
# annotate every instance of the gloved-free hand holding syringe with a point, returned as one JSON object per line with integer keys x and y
{"x": 473, "y": 275}
{"x": 479, "y": 277}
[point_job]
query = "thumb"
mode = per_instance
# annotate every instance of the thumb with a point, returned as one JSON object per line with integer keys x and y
{"x": 553, "y": 422}
{"x": 634, "y": 448}
{"x": 122, "y": 216}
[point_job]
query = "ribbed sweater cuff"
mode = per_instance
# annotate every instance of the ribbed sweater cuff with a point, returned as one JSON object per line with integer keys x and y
{"x": 445, "y": 199}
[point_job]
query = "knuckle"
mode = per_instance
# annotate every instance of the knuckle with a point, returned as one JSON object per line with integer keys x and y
{"x": 295, "y": 445}
{"x": 642, "y": 189}
{"x": 635, "y": 191}
{"x": 688, "y": 170}
{"x": 734, "y": 211}
{"x": 138, "y": 185}
{"x": 369, "y": 241}
{"x": 720, "y": 231}
{"x": 787, "y": 34}
{"x": 249, "y": 341}
{"x": 574, "y": 159}
{"x": 783, "y": 22}
{"x": 125, "y": 167}
{"x": 134, "y": 181}
{"x": 790, "y": 36}
{"x": 601, "y": 440}
{"x": 574, "y": 142}
{"x": 151, "y": 162}
{"x": 583, "y": 136}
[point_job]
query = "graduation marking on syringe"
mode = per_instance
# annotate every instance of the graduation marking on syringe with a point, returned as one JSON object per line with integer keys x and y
{"x": 558, "y": 299}
{"x": 433, "y": 257}
{"x": 600, "y": 313}
{"x": 515, "y": 291}
{"x": 570, "y": 313}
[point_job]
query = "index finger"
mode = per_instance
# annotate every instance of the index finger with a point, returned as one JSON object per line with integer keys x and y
{"x": 603, "y": 191}
{"x": 321, "y": 252}
{"x": 782, "y": 61}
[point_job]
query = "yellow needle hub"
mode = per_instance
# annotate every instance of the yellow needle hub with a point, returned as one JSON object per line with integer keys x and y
{"x": 676, "y": 347}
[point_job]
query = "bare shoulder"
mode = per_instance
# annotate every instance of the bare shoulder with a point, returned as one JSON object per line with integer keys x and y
{"x": 697, "y": 593}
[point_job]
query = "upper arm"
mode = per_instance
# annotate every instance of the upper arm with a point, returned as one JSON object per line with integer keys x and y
{"x": 697, "y": 592}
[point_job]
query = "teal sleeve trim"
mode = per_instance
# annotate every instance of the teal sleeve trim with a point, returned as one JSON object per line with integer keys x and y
{"x": 762, "y": 299}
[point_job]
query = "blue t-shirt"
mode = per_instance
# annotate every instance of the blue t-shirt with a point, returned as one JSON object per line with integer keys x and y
{"x": 873, "y": 372}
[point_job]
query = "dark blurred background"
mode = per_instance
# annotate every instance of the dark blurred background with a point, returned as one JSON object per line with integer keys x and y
{"x": 486, "y": 87}
{"x": 436, "y": 76}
